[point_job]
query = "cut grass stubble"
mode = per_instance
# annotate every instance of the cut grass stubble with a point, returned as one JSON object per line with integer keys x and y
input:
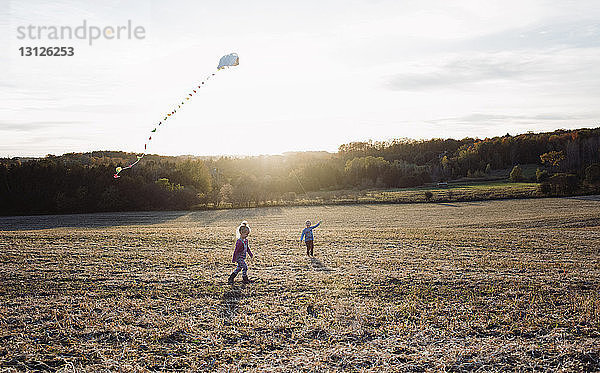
{"x": 393, "y": 287}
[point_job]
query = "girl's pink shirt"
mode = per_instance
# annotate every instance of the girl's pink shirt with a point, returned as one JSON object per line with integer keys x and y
{"x": 239, "y": 249}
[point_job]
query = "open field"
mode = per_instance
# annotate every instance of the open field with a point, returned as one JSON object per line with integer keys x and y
{"x": 467, "y": 191}
{"x": 462, "y": 191}
{"x": 496, "y": 285}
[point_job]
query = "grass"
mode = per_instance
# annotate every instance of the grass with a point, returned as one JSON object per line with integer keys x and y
{"x": 495, "y": 285}
{"x": 460, "y": 192}
{"x": 455, "y": 192}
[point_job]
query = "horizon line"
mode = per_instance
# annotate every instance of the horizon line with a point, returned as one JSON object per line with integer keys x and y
{"x": 407, "y": 139}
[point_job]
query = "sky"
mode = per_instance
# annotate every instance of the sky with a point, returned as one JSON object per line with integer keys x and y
{"x": 312, "y": 74}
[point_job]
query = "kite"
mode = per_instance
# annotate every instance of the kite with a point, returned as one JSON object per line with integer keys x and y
{"x": 226, "y": 61}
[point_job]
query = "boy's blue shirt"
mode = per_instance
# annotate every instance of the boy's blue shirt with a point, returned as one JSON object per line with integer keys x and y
{"x": 307, "y": 233}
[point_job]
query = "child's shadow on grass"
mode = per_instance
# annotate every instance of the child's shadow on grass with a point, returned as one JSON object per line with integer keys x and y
{"x": 318, "y": 265}
{"x": 231, "y": 301}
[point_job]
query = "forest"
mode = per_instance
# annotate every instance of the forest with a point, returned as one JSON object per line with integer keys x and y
{"x": 568, "y": 161}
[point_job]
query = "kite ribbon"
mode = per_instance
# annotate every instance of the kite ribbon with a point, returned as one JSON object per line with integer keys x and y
{"x": 225, "y": 62}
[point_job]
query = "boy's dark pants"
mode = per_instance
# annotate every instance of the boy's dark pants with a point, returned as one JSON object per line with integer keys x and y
{"x": 309, "y": 248}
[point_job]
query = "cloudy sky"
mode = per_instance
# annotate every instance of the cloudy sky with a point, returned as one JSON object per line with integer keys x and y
{"x": 312, "y": 74}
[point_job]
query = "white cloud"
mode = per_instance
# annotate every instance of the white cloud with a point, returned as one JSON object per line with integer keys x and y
{"x": 312, "y": 74}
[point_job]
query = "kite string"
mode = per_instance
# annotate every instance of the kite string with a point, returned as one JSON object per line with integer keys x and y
{"x": 304, "y": 190}
{"x": 139, "y": 157}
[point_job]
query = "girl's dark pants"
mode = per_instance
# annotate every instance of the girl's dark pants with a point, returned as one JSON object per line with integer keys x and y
{"x": 309, "y": 248}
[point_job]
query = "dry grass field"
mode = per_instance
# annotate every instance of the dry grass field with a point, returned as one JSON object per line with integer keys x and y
{"x": 509, "y": 285}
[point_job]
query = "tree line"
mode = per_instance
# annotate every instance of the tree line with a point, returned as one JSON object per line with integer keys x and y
{"x": 82, "y": 182}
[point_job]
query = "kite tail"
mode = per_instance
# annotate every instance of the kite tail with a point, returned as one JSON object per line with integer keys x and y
{"x": 164, "y": 120}
{"x": 119, "y": 169}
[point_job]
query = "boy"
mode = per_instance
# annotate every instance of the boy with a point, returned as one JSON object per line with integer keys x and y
{"x": 307, "y": 235}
